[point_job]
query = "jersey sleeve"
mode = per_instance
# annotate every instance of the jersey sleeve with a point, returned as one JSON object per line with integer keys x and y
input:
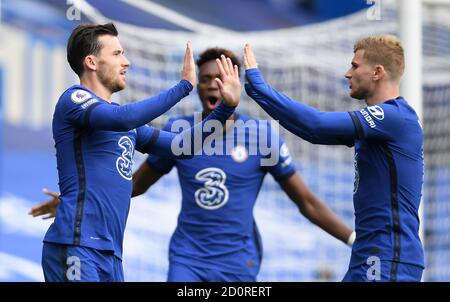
{"x": 84, "y": 110}
{"x": 382, "y": 122}
{"x": 76, "y": 105}
{"x": 184, "y": 145}
{"x": 145, "y": 137}
{"x": 317, "y": 127}
{"x": 282, "y": 166}
{"x": 133, "y": 115}
{"x": 160, "y": 163}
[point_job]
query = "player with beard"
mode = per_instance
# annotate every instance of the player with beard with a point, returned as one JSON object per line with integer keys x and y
{"x": 216, "y": 238}
{"x": 95, "y": 140}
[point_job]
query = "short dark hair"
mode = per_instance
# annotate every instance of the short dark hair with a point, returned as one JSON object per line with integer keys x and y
{"x": 214, "y": 53}
{"x": 84, "y": 41}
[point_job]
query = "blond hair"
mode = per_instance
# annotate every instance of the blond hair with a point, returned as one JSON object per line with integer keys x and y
{"x": 384, "y": 50}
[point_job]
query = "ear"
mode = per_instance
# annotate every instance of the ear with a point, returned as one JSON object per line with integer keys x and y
{"x": 90, "y": 62}
{"x": 378, "y": 73}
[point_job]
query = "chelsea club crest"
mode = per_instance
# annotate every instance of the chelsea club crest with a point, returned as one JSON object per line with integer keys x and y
{"x": 239, "y": 154}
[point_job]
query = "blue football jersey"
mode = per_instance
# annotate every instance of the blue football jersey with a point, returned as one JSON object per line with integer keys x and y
{"x": 94, "y": 165}
{"x": 216, "y": 228}
{"x": 388, "y": 140}
{"x": 388, "y": 182}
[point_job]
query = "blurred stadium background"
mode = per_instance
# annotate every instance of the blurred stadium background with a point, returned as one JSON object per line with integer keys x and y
{"x": 303, "y": 47}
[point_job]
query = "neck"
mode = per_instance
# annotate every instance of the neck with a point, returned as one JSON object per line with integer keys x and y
{"x": 96, "y": 87}
{"x": 383, "y": 92}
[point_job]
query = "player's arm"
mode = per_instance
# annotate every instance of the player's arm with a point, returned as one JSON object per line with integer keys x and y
{"x": 163, "y": 142}
{"x": 124, "y": 118}
{"x": 309, "y": 123}
{"x": 127, "y": 117}
{"x": 143, "y": 178}
{"x": 182, "y": 145}
{"x": 314, "y": 209}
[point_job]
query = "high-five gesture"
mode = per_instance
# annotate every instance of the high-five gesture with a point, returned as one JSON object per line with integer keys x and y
{"x": 229, "y": 83}
{"x": 249, "y": 57}
{"x": 188, "y": 72}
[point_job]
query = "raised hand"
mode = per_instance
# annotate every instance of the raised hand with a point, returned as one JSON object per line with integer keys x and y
{"x": 47, "y": 207}
{"x": 229, "y": 83}
{"x": 249, "y": 57}
{"x": 188, "y": 72}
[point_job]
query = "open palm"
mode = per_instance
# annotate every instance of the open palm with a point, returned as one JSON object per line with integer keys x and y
{"x": 229, "y": 83}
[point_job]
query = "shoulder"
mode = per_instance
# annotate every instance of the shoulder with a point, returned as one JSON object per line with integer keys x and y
{"x": 398, "y": 105}
{"x": 76, "y": 94}
{"x": 405, "y": 108}
{"x": 396, "y": 109}
{"x": 389, "y": 111}
{"x": 77, "y": 98}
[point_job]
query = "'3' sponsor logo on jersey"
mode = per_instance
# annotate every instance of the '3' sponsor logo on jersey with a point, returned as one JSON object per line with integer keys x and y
{"x": 123, "y": 163}
{"x": 214, "y": 193}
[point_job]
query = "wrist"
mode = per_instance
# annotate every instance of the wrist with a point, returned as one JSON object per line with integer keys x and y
{"x": 225, "y": 106}
{"x": 186, "y": 83}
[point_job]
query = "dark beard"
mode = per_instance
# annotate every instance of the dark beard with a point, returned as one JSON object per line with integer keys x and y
{"x": 111, "y": 85}
{"x": 108, "y": 81}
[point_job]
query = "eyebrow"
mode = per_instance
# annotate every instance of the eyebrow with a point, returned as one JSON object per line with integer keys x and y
{"x": 119, "y": 51}
{"x": 210, "y": 75}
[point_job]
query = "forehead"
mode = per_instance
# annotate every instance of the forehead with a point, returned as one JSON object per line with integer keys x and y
{"x": 359, "y": 56}
{"x": 209, "y": 68}
{"x": 110, "y": 43}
